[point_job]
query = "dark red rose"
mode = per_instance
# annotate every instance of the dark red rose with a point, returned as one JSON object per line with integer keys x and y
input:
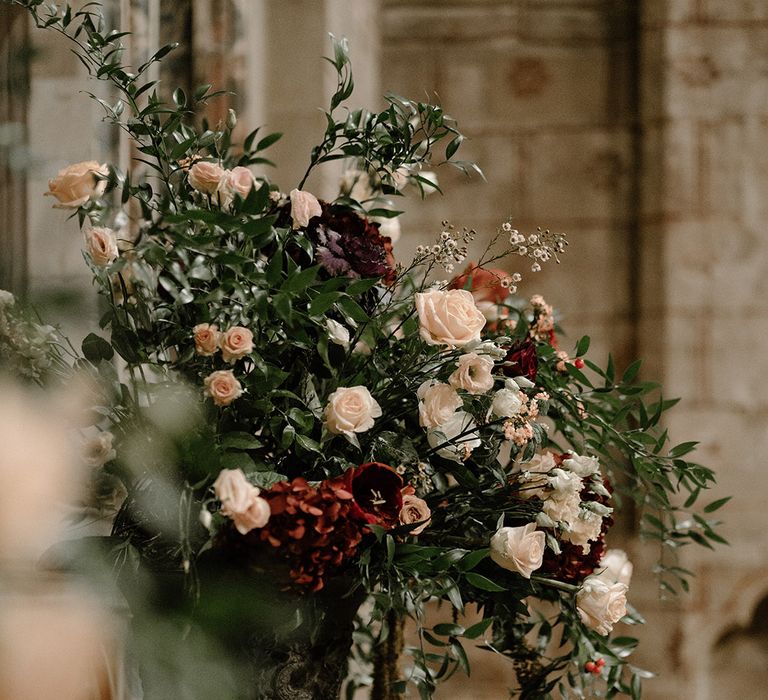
{"x": 521, "y": 360}
{"x": 376, "y": 489}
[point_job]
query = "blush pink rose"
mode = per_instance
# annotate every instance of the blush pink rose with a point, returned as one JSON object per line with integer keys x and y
{"x": 206, "y": 339}
{"x": 304, "y": 206}
{"x": 77, "y": 183}
{"x": 437, "y": 403}
{"x": 235, "y": 343}
{"x": 519, "y": 549}
{"x": 601, "y": 605}
{"x": 449, "y": 318}
{"x": 238, "y": 181}
{"x": 240, "y": 501}
{"x": 415, "y": 510}
{"x": 222, "y": 387}
{"x": 351, "y": 410}
{"x": 206, "y": 177}
{"x": 101, "y": 246}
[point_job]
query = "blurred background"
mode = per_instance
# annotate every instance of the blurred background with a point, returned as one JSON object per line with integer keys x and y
{"x": 638, "y": 127}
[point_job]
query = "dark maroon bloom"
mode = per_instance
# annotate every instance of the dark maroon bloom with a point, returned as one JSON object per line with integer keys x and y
{"x": 348, "y": 244}
{"x": 521, "y": 360}
{"x": 376, "y": 488}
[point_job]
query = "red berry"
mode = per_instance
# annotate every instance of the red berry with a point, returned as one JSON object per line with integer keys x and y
{"x": 600, "y": 662}
{"x": 579, "y": 363}
{"x": 590, "y": 666}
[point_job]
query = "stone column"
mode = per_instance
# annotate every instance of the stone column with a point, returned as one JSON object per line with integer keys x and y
{"x": 14, "y": 92}
{"x": 705, "y": 258}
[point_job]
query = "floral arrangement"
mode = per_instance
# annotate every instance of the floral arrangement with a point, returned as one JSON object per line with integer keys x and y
{"x": 356, "y": 416}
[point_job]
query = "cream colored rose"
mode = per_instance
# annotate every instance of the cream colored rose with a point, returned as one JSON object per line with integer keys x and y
{"x": 507, "y": 403}
{"x": 207, "y": 338}
{"x": 456, "y": 438}
{"x": 473, "y": 373}
{"x": 415, "y": 510}
{"x": 77, "y": 183}
{"x": 6, "y": 298}
{"x": 206, "y": 177}
{"x": 350, "y": 410}
{"x": 238, "y": 181}
{"x": 240, "y": 501}
{"x": 98, "y": 450}
{"x": 437, "y": 403}
{"x": 519, "y": 549}
{"x": 449, "y": 318}
{"x": 235, "y": 343}
{"x": 601, "y": 605}
{"x": 615, "y": 567}
{"x": 222, "y": 387}
{"x": 101, "y": 246}
{"x": 304, "y": 206}
{"x": 337, "y": 333}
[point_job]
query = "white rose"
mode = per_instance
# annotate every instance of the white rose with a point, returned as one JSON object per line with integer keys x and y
{"x": 564, "y": 483}
{"x": 473, "y": 373}
{"x": 519, "y": 549}
{"x": 456, "y": 438}
{"x": 304, "y": 206}
{"x": 98, "y": 450}
{"x": 6, "y": 298}
{"x": 583, "y": 466}
{"x": 240, "y": 500}
{"x": 506, "y": 403}
{"x": 206, "y": 177}
{"x": 583, "y": 530}
{"x": 449, "y": 318}
{"x": 437, "y": 403}
{"x": 351, "y": 410}
{"x": 101, "y": 245}
{"x": 615, "y": 567}
{"x": 601, "y": 605}
{"x": 356, "y": 184}
{"x": 337, "y": 333}
{"x": 74, "y": 185}
{"x": 415, "y": 510}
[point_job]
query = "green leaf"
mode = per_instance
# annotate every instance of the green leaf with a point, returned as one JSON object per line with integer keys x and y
{"x": 95, "y": 348}
{"x": 448, "y": 629}
{"x": 301, "y": 280}
{"x": 322, "y": 302}
{"x": 267, "y": 141}
{"x": 715, "y": 505}
{"x": 478, "y": 628}
{"x": 582, "y": 346}
{"x": 308, "y": 444}
{"x": 471, "y": 560}
{"x": 483, "y": 583}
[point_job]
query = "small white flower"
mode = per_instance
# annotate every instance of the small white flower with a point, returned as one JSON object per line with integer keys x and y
{"x": 615, "y": 567}
{"x": 98, "y": 450}
{"x": 456, "y": 438}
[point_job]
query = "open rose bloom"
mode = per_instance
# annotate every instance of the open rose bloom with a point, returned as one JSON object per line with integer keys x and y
{"x": 78, "y": 183}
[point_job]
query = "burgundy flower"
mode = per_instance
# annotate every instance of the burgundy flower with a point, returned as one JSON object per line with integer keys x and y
{"x": 348, "y": 244}
{"x": 376, "y": 488}
{"x": 521, "y": 360}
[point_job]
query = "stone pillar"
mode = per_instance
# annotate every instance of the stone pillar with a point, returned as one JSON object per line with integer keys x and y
{"x": 14, "y": 91}
{"x": 705, "y": 258}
